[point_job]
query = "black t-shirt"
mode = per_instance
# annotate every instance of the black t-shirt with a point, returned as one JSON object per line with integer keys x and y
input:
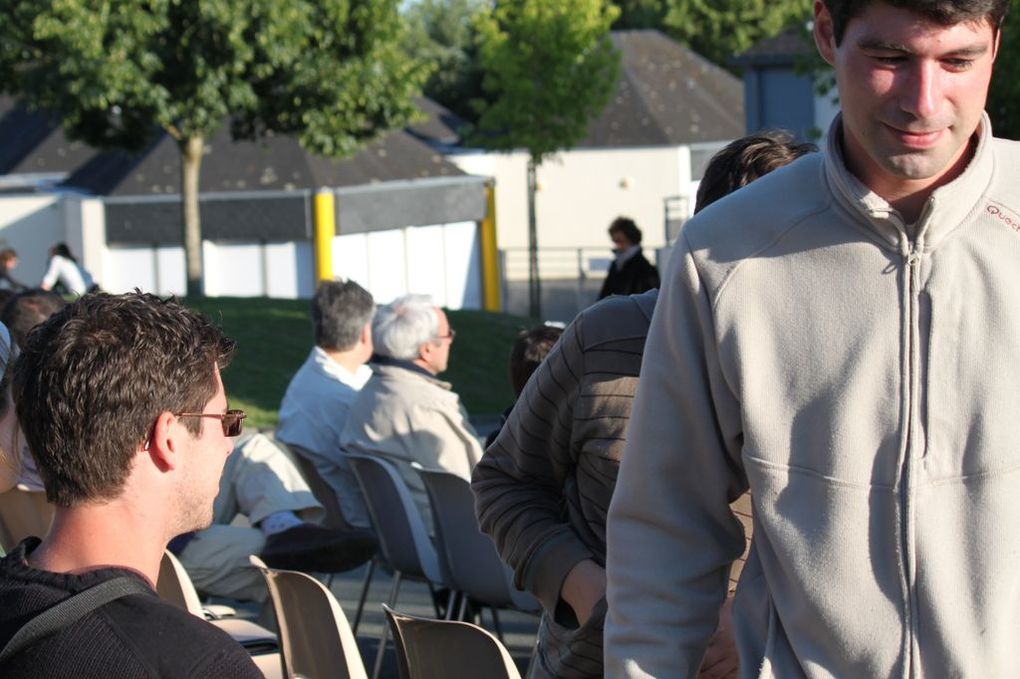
{"x": 135, "y": 636}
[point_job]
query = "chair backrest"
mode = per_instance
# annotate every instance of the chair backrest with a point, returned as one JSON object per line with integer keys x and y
{"x": 316, "y": 641}
{"x": 403, "y": 538}
{"x": 174, "y": 586}
{"x": 322, "y": 491}
{"x": 446, "y": 649}
{"x": 474, "y": 565}
{"x": 23, "y": 513}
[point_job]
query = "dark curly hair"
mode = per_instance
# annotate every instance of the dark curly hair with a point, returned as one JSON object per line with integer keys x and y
{"x": 92, "y": 379}
{"x": 744, "y": 160}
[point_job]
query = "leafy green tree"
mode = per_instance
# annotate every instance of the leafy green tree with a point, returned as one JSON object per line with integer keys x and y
{"x": 329, "y": 71}
{"x": 1005, "y": 89}
{"x": 721, "y": 29}
{"x": 640, "y": 14}
{"x": 442, "y": 33}
{"x": 549, "y": 68}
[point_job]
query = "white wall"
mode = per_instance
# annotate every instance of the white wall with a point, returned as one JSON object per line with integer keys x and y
{"x": 31, "y": 224}
{"x": 283, "y": 270}
{"x": 439, "y": 260}
{"x": 582, "y": 191}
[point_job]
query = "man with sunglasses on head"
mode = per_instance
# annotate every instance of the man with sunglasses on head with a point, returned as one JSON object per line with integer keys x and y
{"x": 121, "y": 401}
{"x": 405, "y": 413}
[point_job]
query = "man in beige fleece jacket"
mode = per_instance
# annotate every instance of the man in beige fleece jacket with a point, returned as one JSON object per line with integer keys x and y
{"x": 840, "y": 337}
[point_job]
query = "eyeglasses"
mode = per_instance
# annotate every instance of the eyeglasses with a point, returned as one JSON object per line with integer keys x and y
{"x": 450, "y": 335}
{"x": 232, "y": 420}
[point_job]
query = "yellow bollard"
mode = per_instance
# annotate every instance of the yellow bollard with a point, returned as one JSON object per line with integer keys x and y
{"x": 491, "y": 297}
{"x": 325, "y": 230}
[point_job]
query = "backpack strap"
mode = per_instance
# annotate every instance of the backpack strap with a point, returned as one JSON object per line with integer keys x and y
{"x": 69, "y": 611}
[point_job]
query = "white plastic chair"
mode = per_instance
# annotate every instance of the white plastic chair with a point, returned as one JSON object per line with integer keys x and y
{"x": 448, "y": 649}
{"x": 403, "y": 540}
{"x": 471, "y": 559}
{"x": 316, "y": 641}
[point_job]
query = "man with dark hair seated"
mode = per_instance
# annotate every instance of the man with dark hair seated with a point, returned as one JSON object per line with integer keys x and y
{"x": 121, "y": 401}
{"x": 526, "y": 354}
{"x": 259, "y": 482}
{"x": 319, "y": 397}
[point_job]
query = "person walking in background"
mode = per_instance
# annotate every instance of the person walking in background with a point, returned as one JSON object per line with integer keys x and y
{"x": 630, "y": 273}
{"x": 65, "y": 270}
{"x": 840, "y": 338}
{"x": 544, "y": 485}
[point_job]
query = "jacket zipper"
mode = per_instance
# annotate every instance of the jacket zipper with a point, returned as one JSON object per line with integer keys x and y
{"x": 914, "y": 440}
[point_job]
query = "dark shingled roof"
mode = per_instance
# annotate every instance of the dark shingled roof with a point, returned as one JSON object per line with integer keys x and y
{"x": 30, "y": 143}
{"x": 271, "y": 164}
{"x": 667, "y": 95}
{"x": 21, "y": 132}
{"x": 786, "y": 48}
{"x": 441, "y": 126}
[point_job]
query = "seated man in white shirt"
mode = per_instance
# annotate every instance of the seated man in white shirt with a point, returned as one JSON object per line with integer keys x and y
{"x": 314, "y": 408}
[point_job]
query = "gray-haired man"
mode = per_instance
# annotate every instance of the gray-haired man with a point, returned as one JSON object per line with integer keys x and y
{"x": 405, "y": 413}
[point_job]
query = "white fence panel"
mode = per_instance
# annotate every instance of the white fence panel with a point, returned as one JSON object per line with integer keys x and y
{"x": 439, "y": 260}
{"x": 290, "y": 269}
{"x": 233, "y": 269}
{"x": 125, "y": 269}
{"x": 463, "y": 266}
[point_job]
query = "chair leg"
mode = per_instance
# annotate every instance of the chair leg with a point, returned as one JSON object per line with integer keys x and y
{"x": 499, "y": 628}
{"x": 435, "y": 602}
{"x": 463, "y": 608}
{"x": 394, "y": 590}
{"x": 364, "y": 593}
{"x": 450, "y": 603}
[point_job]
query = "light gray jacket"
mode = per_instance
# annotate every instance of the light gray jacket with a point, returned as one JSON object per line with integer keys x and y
{"x": 862, "y": 379}
{"x": 405, "y": 415}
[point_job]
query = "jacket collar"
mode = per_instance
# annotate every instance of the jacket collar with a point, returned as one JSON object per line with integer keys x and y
{"x": 384, "y": 365}
{"x": 947, "y": 207}
{"x": 330, "y": 368}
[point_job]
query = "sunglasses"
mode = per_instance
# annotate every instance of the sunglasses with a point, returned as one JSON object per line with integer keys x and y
{"x": 232, "y": 420}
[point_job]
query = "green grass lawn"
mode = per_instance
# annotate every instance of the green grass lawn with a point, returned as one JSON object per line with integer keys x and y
{"x": 274, "y": 337}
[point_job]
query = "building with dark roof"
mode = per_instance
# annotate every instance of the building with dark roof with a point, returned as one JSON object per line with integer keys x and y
{"x": 642, "y": 157}
{"x": 781, "y": 85}
{"x": 255, "y": 204}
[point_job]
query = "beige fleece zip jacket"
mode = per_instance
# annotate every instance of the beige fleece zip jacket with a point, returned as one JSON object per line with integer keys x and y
{"x": 860, "y": 377}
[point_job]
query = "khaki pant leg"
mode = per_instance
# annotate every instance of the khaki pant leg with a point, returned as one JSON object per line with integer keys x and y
{"x": 217, "y": 561}
{"x": 264, "y": 480}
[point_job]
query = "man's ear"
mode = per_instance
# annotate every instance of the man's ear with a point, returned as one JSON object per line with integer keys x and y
{"x": 162, "y": 445}
{"x": 366, "y": 334}
{"x": 824, "y": 32}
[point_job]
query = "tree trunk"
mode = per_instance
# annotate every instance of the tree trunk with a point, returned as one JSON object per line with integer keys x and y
{"x": 534, "y": 281}
{"x": 191, "y": 163}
